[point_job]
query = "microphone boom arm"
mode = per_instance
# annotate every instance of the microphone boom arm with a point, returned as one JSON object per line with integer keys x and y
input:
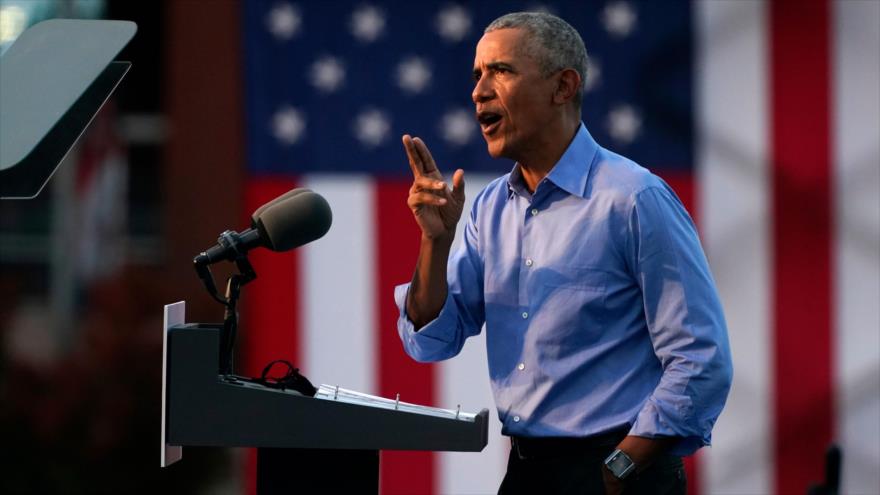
{"x": 233, "y": 291}
{"x": 230, "y": 315}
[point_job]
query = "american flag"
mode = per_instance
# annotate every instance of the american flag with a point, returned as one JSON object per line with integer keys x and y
{"x": 763, "y": 115}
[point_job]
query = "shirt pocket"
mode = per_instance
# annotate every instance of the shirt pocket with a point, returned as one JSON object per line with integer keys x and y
{"x": 576, "y": 278}
{"x": 574, "y": 302}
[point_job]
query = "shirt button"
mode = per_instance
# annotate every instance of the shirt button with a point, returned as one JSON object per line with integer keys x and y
{"x": 521, "y": 366}
{"x": 534, "y": 211}
{"x": 516, "y": 419}
{"x": 529, "y": 262}
{"x": 525, "y": 315}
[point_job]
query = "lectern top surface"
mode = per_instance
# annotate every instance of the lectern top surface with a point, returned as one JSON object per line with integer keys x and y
{"x": 44, "y": 73}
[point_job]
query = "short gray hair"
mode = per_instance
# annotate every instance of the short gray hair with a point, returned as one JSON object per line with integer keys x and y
{"x": 553, "y": 43}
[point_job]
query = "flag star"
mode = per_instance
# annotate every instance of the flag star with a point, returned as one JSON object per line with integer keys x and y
{"x": 288, "y": 125}
{"x": 457, "y": 126}
{"x": 624, "y": 123}
{"x": 619, "y": 19}
{"x": 453, "y": 23}
{"x": 413, "y": 74}
{"x": 539, "y": 7}
{"x": 367, "y": 23}
{"x": 284, "y": 21}
{"x": 372, "y": 127}
{"x": 327, "y": 74}
{"x": 594, "y": 74}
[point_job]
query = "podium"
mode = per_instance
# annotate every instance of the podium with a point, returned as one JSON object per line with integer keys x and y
{"x": 305, "y": 444}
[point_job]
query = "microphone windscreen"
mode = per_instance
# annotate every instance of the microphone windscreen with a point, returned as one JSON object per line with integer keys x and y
{"x": 296, "y": 220}
{"x": 259, "y": 211}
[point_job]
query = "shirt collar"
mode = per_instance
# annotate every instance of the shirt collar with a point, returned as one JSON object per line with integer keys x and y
{"x": 570, "y": 173}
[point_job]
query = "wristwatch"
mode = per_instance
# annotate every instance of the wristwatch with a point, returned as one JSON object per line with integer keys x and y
{"x": 620, "y": 464}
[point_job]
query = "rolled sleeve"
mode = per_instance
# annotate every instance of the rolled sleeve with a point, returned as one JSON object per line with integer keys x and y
{"x": 433, "y": 342}
{"x": 685, "y": 321}
{"x": 462, "y": 314}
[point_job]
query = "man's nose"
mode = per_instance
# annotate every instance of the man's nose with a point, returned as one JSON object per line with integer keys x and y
{"x": 482, "y": 90}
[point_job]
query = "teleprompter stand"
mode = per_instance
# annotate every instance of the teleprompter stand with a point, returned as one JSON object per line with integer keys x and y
{"x": 305, "y": 444}
{"x": 53, "y": 80}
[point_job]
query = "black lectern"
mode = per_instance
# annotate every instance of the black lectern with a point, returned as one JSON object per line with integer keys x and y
{"x": 53, "y": 80}
{"x": 306, "y": 444}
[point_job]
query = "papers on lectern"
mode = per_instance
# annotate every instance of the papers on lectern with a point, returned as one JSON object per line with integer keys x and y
{"x": 334, "y": 392}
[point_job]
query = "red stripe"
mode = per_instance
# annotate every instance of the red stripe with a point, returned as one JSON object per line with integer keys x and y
{"x": 683, "y": 185}
{"x": 397, "y": 248}
{"x": 268, "y": 325}
{"x": 802, "y": 233}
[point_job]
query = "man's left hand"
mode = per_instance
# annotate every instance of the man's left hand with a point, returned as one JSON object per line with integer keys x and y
{"x": 642, "y": 451}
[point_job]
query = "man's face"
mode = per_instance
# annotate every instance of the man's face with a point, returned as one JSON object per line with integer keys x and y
{"x": 514, "y": 102}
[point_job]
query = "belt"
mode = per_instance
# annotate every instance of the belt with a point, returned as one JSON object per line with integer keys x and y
{"x": 542, "y": 447}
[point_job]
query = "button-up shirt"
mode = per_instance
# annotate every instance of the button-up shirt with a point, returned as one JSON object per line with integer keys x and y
{"x": 599, "y": 308}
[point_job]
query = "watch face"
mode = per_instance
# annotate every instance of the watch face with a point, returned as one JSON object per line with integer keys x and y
{"x": 619, "y": 464}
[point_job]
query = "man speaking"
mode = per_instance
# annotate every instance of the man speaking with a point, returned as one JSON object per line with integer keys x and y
{"x": 607, "y": 346}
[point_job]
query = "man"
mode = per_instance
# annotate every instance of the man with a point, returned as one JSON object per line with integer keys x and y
{"x": 607, "y": 346}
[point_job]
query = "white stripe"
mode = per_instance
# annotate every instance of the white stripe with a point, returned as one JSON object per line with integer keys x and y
{"x": 464, "y": 380}
{"x": 856, "y": 104}
{"x": 732, "y": 126}
{"x": 338, "y": 290}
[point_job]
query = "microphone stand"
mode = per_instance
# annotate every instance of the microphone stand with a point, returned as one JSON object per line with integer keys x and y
{"x": 230, "y": 314}
{"x": 233, "y": 291}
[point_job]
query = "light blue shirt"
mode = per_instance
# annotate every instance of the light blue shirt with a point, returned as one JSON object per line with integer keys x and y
{"x": 599, "y": 307}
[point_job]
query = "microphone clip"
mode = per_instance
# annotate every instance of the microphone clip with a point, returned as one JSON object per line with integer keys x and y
{"x": 231, "y": 240}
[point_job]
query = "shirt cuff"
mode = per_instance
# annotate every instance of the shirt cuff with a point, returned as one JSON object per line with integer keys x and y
{"x": 657, "y": 421}
{"x": 435, "y": 340}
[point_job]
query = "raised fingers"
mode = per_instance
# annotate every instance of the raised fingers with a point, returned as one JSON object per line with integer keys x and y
{"x": 429, "y": 167}
{"x": 415, "y": 161}
{"x": 458, "y": 185}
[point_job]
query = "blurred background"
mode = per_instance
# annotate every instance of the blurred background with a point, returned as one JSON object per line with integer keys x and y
{"x": 764, "y": 116}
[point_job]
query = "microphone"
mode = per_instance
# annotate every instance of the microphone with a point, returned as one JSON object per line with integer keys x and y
{"x": 293, "y": 219}
{"x": 259, "y": 211}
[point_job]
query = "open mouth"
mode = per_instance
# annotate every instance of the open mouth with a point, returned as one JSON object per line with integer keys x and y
{"x": 489, "y": 121}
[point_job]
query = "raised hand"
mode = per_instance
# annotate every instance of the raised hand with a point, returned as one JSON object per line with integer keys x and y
{"x": 435, "y": 206}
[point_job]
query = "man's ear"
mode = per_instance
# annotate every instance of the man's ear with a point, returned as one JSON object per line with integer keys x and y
{"x": 567, "y": 87}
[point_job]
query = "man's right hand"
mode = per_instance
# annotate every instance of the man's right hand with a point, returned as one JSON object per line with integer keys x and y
{"x": 437, "y": 210}
{"x": 435, "y": 206}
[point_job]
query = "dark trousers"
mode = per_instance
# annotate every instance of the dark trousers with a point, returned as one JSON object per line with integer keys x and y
{"x": 576, "y": 468}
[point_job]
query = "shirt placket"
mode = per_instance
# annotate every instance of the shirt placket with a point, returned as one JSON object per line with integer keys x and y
{"x": 528, "y": 263}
